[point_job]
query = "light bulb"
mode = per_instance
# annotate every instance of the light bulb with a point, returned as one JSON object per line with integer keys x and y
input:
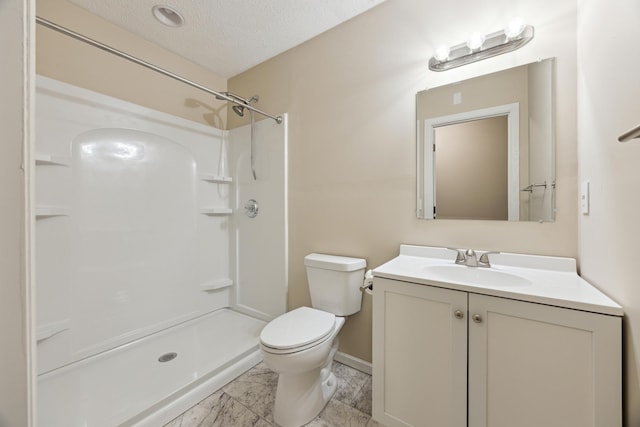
{"x": 442, "y": 53}
{"x": 514, "y": 28}
{"x": 475, "y": 41}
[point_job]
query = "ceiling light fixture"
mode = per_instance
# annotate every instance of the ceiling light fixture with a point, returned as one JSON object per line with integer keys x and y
{"x": 167, "y": 15}
{"x": 515, "y": 35}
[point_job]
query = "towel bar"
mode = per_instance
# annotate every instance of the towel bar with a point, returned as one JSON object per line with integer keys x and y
{"x": 630, "y": 134}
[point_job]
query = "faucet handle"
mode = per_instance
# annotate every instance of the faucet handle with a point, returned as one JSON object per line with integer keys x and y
{"x": 484, "y": 258}
{"x": 460, "y": 257}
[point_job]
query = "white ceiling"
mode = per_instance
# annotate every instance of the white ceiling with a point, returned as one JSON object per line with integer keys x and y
{"x": 230, "y": 36}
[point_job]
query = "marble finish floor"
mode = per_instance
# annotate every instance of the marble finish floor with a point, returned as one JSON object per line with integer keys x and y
{"x": 248, "y": 401}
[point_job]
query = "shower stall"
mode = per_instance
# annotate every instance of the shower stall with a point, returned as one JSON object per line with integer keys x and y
{"x": 152, "y": 281}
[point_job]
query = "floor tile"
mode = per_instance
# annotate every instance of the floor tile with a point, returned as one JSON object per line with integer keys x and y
{"x": 250, "y": 398}
{"x": 350, "y": 381}
{"x": 374, "y": 423}
{"x": 232, "y": 414}
{"x": 319, "y": 422}
{"x": 206, "y": 410}
{"x": 256, "y": 389}
{"x": 363, "y": 400}
{"x": 341, "y": 414}
{"x": 262, "y": 423}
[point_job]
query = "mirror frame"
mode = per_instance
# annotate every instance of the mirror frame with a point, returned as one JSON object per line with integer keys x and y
{"x": 425, "y": 135}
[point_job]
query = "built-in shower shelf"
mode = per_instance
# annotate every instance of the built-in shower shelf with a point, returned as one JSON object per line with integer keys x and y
{"x": 216, "y": 211}
{"x": 220, "y": 179}
{"x": 48, "y": 159}
{"x": 49, "y": 211}
{"x": 51, "y": 329}
{"x": 216, "y": 284}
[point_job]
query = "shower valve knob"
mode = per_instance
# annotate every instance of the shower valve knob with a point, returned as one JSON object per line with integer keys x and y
{"x": 251, "y": 208}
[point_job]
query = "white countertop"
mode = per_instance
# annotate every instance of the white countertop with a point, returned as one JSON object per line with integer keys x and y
{"x": 552, "y": 280}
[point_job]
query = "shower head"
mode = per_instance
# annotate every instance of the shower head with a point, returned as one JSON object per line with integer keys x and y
{"x": 239, "y": 110}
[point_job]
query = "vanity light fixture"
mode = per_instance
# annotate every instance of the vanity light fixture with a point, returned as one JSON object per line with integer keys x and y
{"x": 442, "y": 53}
{"x": 515, "y": 35}
{"x": 514, "y": 28}
{"x": 475, "y": 42}
{"x": 167, "y": 15}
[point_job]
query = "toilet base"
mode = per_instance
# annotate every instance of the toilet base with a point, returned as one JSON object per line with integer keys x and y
{"x": 301, "y": 397}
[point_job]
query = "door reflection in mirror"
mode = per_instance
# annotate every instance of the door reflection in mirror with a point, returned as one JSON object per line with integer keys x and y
{"x": 525, "y": 95}
{"x": 476, "y": 186}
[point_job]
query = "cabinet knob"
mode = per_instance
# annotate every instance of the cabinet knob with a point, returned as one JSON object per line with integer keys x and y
{"x": 477, "y": 318}
{"x": 458, "y": 314}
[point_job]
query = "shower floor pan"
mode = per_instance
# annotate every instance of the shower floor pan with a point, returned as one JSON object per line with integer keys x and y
{"x": 152, "y": 380}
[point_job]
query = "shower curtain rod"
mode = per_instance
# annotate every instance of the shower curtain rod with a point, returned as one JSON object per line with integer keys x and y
{"x": 121, "y": 54}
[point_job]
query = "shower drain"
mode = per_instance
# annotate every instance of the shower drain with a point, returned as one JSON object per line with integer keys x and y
{"x": 167, "y": 357}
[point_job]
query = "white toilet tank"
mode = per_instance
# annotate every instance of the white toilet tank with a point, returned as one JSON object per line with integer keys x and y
{"x": 334, "y": 283}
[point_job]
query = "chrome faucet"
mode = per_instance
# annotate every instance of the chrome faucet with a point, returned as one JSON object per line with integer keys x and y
{"x": 471, "y": 259}
{"x": 460, "y": 257}
{"x": 483, "y": 261}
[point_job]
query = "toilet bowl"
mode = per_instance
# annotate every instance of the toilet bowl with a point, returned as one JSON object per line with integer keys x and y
{"x": 300, "y": 345}
{"x": 305, "y": 381}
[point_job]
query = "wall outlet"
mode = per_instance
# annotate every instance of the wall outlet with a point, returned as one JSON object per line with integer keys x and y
{"x": 584, "y": 198}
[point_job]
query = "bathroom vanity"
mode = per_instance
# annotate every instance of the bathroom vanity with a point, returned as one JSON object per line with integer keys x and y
{"x": 523, "y": 342}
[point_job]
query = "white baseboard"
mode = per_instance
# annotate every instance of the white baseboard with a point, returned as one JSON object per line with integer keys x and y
{"x": 353, "y": 362}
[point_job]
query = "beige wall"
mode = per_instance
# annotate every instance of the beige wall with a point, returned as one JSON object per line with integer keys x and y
{"x": 607, "y": 106}
{"x": 472, "y": 170}
{"x": 15, "y": 366}
{"x": 63, "y": 58}
{"x": 351, "y": 97}
{"x": 490, "y": 90}
{"x": 350, "y": 93}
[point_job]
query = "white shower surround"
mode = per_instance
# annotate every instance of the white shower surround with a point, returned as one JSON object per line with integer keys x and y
{"x": 128, "y": 386}
{"x": 259, "y": 244}
{"x": 114, "y": 307}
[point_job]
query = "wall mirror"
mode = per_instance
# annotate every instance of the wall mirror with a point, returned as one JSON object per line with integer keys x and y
{"x": 486, "y": 147}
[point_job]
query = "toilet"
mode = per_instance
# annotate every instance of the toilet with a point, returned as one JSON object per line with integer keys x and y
{"x": 300, "y": 345}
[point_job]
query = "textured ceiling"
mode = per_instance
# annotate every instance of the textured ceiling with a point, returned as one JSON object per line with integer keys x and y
{"x": 230, "y": 36}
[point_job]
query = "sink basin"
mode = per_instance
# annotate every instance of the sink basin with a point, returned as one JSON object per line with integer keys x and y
{"x": 478, "y": 276}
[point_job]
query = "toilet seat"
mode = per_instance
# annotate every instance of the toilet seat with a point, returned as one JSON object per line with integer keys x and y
{"x": 297, "y": 330}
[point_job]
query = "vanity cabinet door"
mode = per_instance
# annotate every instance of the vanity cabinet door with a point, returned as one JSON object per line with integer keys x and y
{"x": 419, "y": 355}
{"x": 534, "y": 365}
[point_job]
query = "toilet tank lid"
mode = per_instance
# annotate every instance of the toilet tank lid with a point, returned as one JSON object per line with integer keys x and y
{"x": 334, "y": 262}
